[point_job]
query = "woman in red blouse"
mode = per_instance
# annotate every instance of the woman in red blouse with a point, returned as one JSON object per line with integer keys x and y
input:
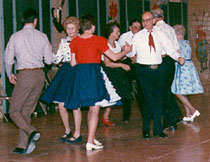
{"x": 91, "y": 87}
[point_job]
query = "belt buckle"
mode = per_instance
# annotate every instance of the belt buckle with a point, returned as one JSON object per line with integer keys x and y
{"x": 153, "y": 67}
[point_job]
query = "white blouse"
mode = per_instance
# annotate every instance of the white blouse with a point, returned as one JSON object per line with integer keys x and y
{"x": 63, "y": 53}
{"x": 117, "y": 49}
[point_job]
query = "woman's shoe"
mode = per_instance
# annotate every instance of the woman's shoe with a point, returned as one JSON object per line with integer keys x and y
{"x": 196, "y": 113}
{"x": 97, "y": 142}
{"x": 65, "y": 136}
{"x": 75, "y": 140}
{"x": 186, "y": 118}
{"x": 106, "y": 122}
{"x": 90, "y": 146}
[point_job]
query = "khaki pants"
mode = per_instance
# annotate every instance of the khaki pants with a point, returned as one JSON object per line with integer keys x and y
{"x": 24, "y": 100}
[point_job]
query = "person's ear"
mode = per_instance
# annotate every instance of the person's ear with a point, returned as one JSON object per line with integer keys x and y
{"x": 35, "y": 22}
{"x": 153, "y": 21}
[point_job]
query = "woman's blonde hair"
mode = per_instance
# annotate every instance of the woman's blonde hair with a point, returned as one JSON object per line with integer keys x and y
{"x": 71, "y": 20}
{"x": 179, "y": 29}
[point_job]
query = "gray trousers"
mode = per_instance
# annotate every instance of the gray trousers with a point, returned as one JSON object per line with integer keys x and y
{"x": 24, "y": 99}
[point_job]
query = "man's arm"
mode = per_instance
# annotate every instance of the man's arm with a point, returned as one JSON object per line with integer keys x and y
{"x": 9, "y": 57}
{"x": 168, "y": 47}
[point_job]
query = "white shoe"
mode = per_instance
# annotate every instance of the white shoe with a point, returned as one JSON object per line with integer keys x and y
{"x": 97, "y": 142}
{"x": 196, "y": 113}
{"x": 186, "y": 118}
{"x": 90, "y": 146}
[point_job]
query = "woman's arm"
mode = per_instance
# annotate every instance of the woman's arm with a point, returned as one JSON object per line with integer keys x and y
{"x": 107, "y": 62}
{"x": 116, "y": 56}
{"x": 73, "y": 60}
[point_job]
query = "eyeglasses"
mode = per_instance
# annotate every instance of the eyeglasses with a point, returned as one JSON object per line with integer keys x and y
{"x": 146, "y": 20}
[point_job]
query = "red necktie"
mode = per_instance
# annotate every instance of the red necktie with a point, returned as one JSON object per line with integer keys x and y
{"x": 151, "y": 42}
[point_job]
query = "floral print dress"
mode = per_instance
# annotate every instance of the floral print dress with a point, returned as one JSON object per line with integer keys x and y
{"x": 186, "y": 79}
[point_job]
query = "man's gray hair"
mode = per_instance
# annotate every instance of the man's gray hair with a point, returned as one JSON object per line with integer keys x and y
{"x": 157, "y": 13}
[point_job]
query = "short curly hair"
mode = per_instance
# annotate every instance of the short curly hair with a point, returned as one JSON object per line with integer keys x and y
{"x": 179, "y": 29}
{"x": 71, "y": 20}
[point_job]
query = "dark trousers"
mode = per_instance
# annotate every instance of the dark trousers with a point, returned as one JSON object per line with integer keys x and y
{"x": 24, "y": 99}
{"x": 131, "y": 75}
{"x": 170, "y": 107}
{"x": 126, "y": 109}
{"x": 149, "y": 80}
{"x": 127, "y": 103}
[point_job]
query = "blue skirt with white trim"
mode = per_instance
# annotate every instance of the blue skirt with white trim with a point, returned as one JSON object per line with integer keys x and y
{"x": 90, "y": 87}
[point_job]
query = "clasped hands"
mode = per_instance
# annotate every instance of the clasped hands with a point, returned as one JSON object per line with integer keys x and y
{"x": 127, "y": 48}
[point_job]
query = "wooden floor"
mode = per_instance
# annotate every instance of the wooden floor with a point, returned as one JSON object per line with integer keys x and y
{"x": 122, "y": 143}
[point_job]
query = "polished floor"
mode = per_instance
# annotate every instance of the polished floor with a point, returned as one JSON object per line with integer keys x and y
{"x": 122, "y": 143}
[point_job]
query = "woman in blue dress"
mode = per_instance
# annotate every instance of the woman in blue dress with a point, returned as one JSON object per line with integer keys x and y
{"x": 186, "y": 79}
{"x": 58, "y": 88}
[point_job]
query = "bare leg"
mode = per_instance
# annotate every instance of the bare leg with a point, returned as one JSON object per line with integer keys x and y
{"x": 188, "y": 106}
{"x": 188, "y": 113}
{"x": 107, "y": 112}
{"x": 92, "y": 123}
{"x": 77, "y": 122}
{"x": 64, "y": 117}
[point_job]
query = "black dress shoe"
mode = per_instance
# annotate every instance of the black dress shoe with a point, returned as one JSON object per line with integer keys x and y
{"x": 18, "y": 150}
{"x": 33, "y": 138}
{"x": 161, "y": 135}
{"x": 146, "y": 135}
{"x": 75, "y": 140}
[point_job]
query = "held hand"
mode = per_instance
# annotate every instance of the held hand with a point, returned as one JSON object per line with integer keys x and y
{"x": 126, "y": 67}
{"x": 181, "y": 60}
{"x": 123, "y": 47}
{"x": 13, "y": 79}
{"x": 127, "y": 48}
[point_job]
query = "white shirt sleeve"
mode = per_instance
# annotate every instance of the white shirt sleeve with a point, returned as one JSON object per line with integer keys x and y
{"x": 168, "y": 47}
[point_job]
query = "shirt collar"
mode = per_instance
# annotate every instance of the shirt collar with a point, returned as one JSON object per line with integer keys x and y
{"x": 28, "y": 26}
{"x": 160, "y": 22}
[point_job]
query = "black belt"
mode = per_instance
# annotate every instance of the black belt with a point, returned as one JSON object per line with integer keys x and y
{"x": 153, "y": 67}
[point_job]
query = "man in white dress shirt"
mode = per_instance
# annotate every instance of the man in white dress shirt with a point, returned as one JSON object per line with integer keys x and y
{"x": 171, "y": 110}
{"x": 148, "y": 45}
